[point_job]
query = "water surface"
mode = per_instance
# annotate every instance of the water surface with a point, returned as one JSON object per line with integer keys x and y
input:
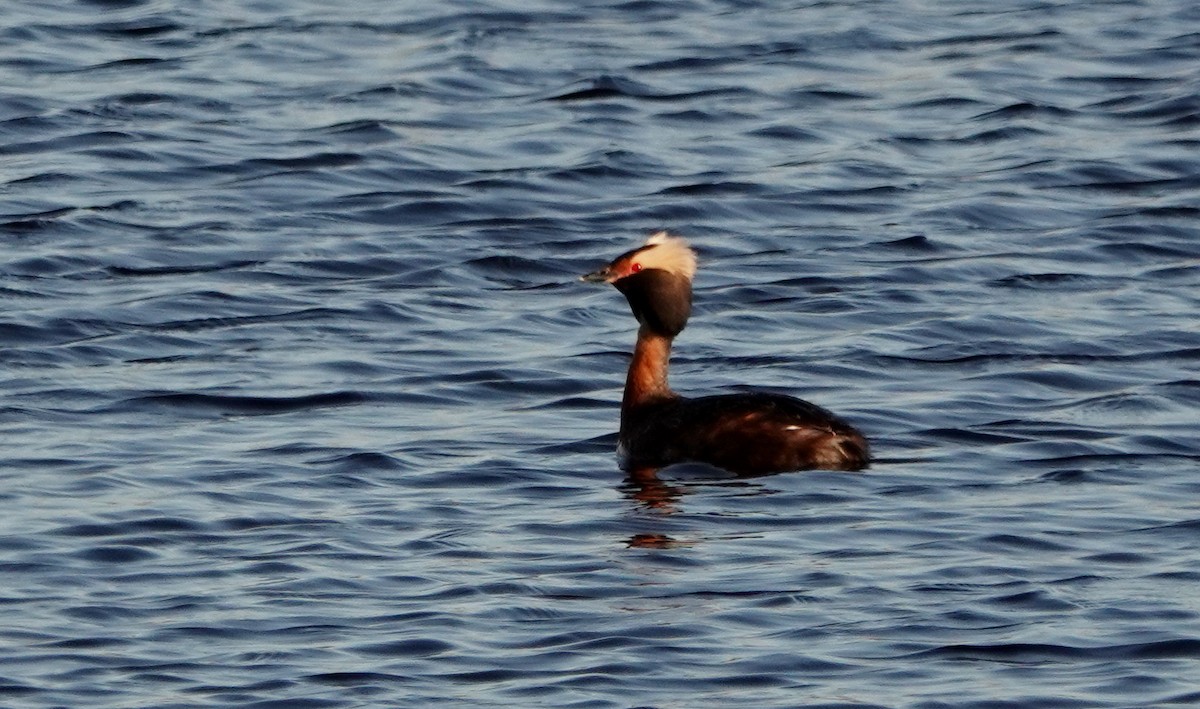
{"x": 304, "y": 406}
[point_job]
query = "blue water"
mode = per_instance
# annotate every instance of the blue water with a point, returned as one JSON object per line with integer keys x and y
{"x": 303, "y": 405}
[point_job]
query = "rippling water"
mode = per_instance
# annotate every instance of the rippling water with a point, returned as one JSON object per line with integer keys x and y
{"x": 303, "y": 405}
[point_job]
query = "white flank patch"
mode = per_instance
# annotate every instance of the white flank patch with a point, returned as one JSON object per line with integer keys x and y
{"x": 670, "y": 253}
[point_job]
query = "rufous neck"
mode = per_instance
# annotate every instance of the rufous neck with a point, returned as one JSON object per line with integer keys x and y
{"x": 647, "y": 378}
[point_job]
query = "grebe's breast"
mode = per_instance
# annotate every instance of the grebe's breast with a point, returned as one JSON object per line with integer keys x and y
{"x": 747, "y": 434}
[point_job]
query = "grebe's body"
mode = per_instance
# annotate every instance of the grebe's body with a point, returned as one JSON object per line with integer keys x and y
{"x": 748, "y": 434}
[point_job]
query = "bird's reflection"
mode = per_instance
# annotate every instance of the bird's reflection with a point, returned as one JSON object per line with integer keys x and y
{"x": 655, "y": 541}
{"x": 643, "y": 486}
{"x": 662, "y": 498}
{"x": 651, "y": 493}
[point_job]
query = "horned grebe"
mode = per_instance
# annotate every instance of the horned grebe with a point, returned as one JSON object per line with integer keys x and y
{"x": 747, "y": 434}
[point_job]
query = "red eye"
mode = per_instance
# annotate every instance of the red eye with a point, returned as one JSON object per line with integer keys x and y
{"x": 634, "y": 268}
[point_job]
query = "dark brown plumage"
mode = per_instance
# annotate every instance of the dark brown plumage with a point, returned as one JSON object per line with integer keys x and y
{"x": 748, "y": 434}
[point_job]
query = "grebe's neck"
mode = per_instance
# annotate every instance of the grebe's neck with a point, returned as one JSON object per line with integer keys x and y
{"x": 647, "y": 378}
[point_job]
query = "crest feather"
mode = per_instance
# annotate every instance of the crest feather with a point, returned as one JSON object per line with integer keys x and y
{"x": 670, "y": 253}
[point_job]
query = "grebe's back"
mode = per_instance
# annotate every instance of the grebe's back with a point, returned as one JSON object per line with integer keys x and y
{"x": 749, "y": 434}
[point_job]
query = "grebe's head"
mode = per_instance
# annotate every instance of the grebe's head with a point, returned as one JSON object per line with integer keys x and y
{"x": 656, "y": 279}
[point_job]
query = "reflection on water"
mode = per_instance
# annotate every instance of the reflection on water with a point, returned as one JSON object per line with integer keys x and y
{"x": 654, "y": 541}
{"x": 643, "y": 487}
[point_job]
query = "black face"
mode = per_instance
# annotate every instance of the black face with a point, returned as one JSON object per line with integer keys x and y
{"x": 660, "y": 300}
